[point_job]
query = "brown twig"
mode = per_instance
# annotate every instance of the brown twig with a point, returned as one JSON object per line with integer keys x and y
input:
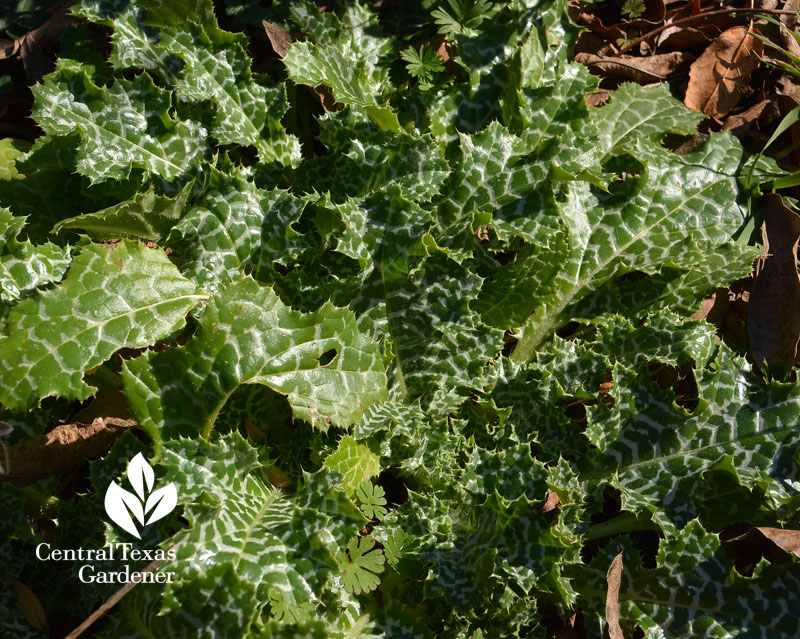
{"x": 718, "y": 12}
{"x": 114, "y": 599}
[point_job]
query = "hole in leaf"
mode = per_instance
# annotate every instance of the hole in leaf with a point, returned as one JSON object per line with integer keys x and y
{"x": 569, "y": 328}
{"x": 395, "y": 484}
{"x": 682, "y": 144}
{"x": 561, "y": 625}
{"x": 748, "y": 547}
{"x": 575, "y": 410}
{"x": 646, "y": 541}
{"x": 680, "y": 380}
{"x": 632, "y": 276}
{"x": 611, "y": 508}
{"x": 505, "y": 257}
{"x": 509, "y": 343}
{"x": 327, "y": 357}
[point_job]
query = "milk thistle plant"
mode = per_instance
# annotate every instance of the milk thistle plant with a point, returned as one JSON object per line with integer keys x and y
{"x": 411, "y": 340}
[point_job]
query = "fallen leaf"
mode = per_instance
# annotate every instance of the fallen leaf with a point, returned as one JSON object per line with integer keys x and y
{"x": 789, "y": 88}
{"x": 741, "y": 122}
{"x": 8, "y": 48}
{"x": 551, "y": 502}
{"x": 788, "y": 540}
{"x": 774, "y": 310}
{"x": 719, "y": 77}
{"x": 279, "y": 38}
{"x": 750, "y": 125}
{"x": 653, "y": 68}
{"x": 680, "y": 38}
{"x": 279, "y": 478}
{"x": 68, "y": 446}
{"x": 614, "y": 579}
{"x": 30, "y": 47}
{"x": 705, "y": 307}
{"x": 29, "y": 603}
{"x": 784, "y": 36}
{"x": 441, "y": 46}
{"x": 252, "y": 429}
{"x": 109, "y": 403}
{"x": 593, "y": 23}
{"x": 598, "y": 99}
{"x": 588, "y": 42}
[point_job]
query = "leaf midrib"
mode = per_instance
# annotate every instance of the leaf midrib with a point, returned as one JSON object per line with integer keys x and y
{"x": 92, "y": 326}
{"x": 529, "y": 341}
{"x": 93, "y": 124}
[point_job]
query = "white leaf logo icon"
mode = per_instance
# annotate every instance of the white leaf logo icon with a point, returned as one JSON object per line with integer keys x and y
{"x": 121, "y": 504}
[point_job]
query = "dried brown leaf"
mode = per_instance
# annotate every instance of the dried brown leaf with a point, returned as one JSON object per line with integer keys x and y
{"x": 774, "y": 311}
{"x": 746, "y": 120}
{"x": 614, "y": 579}
{"x": 705, "y": 307}
{"x": 30, "y": 47}
{"x": 593, "y": 23}
{"x": 279, "y": 38}
{"x": 551, "y": 502}
{"x": 588, "y": 42}
{"x": 67, "y": 446}
{"x": 253, "y": 430}
{"x": 788, "y": 540}
{"x": 29, "y": 603}
{"x": 598, "y": 99}
{"x": 680, "y": 38}
{"x": 279, "y": 478}
{"x": 654, "y": 68}
{"x": 720, "y": 76}
{"x": 8, "y": 48}
{"x": 789, "y": 88}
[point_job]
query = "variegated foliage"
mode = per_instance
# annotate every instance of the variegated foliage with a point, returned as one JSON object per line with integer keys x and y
{"x": 451, "y": 317}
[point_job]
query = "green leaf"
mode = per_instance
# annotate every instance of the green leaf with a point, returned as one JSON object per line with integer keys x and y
{"x": 655, "y": 450}
{"x": 466, "y": 15}
{"x": 286, "y": 612}
{"x": 422, "y": 64}
{"x": 247, "y": 113}
{"x": 360, "y": 565}
{"x": 133, "y": 44}
{"x": 175, "y": 13}
{"x": 45, "y": 186}
{"x": 677, "y": 288}
{"x": 367, "y": 161}
{"x": 635, "y": 111}
{"x": 10, "y": 149}
{"x": 633, "y": 8}
{"x": 247, "y": 336}
{"x": 237, "y": 228}
{"x": 345, "y": 74}
{"x": 125, "y": 296}
{"x": 695, "y": 591}
{"x": 124, "y": 126}
{"x": 247, "y": 538}
{"x": 640, "y": 225}
{"x": 23, "y": 265}
{"x": 147, "y": 215}
{"x": 424, "y": 303}
{"x": 373, "y": 502}
{"x": 664, "y": 337}
{"x": 356, "y": 462}
{"x": 397, "y": 545}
